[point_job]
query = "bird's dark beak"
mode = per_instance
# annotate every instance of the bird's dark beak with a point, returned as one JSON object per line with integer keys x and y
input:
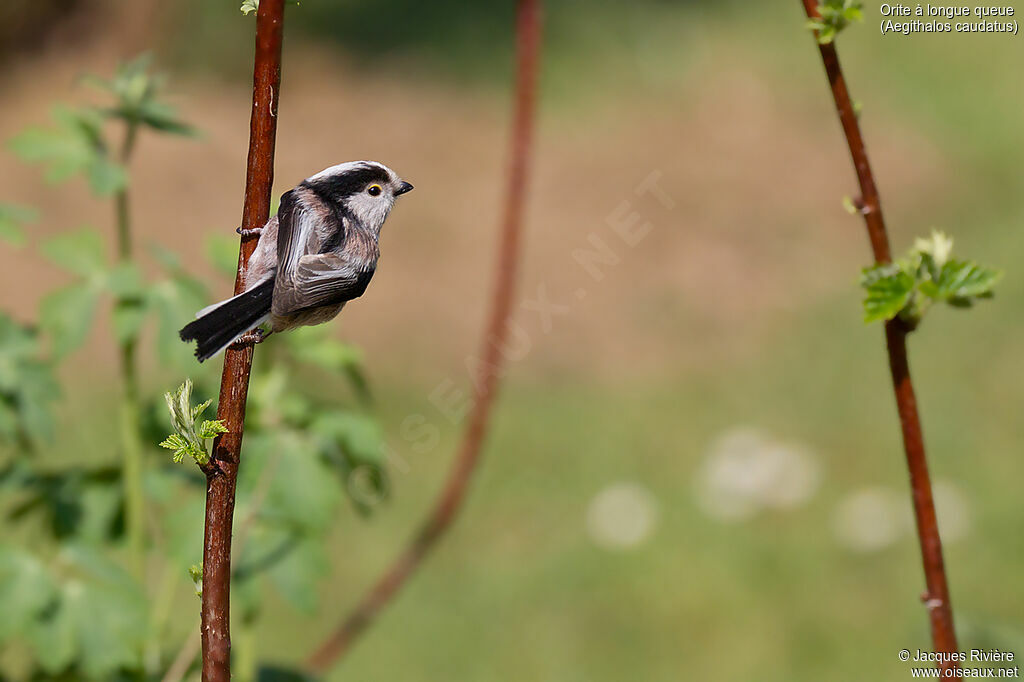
{"x": 403, "y": 188}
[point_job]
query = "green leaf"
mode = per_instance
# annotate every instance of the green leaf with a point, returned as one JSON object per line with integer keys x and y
{"x": 963, "y": 280}
{"x": 195, "y": 572}
{"x": 249, "y": 6}
{"x": 12, "y": 216}
{"x": 53, "y": 636}
{"x": 297, "y": 574}
{"x": 175, "y": 300}
{"x": 834, "y": 16}
{"x": 222, "y": 252}
{"x": 107, "y": 611}
{"x": 75, "y": 145}
{"x": 128, "y": 318}
{"x": 187, "y": 439}
{"x": 209, "y": 429}
{"x": 888, "y": 292}
{"x": 27, "y": 385}
{"x": 303, "y": 491}
{"x": 106, "y": 177}
{"x": 26, "y": 589}
{"x": 162, "y": 118}
{"x": 199, "y": 409}
{"x": 79, "y": 251}
{"x": 67, "y": 315}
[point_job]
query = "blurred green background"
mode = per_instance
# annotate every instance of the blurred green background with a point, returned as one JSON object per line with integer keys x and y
{"x": 696, "y": 472}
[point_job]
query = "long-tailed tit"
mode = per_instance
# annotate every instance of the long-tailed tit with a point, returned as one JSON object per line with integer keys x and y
{"x": 316, "y": 254}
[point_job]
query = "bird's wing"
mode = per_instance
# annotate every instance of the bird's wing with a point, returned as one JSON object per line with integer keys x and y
{"x": 307, "y": 279}
{"x": 300, "y": 226}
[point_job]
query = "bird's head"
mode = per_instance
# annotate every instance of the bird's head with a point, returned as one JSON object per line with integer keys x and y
{"x": 365, "y": 189}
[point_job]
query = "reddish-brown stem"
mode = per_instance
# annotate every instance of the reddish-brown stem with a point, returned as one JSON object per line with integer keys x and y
{"x": 222, "y": 471}
{"x": 936, "y": 598}
{"x": 528, "y": 40}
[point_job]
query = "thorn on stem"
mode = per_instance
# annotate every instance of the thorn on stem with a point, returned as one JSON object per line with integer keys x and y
{"x": 931, "y": 603}
{"x": 864, "y": 209}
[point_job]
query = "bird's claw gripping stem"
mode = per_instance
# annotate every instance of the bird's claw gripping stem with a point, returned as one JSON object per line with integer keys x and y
{"x": 250, "y": 338}
{"x": 254, "y": 232}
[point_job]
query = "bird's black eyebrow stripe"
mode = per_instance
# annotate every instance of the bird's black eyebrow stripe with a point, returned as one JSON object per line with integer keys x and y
{"x": 337, "y": 187}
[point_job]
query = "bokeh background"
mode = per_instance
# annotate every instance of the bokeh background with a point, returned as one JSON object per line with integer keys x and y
{"x": 695, "y": 472}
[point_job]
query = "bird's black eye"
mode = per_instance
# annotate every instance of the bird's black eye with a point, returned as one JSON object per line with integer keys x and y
{"x": 373, "y": 190}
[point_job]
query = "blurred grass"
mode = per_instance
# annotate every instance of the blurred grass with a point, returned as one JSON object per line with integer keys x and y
{"x": 518, "y": 591}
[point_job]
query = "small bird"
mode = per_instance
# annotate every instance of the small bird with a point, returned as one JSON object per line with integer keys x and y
{"x": 316, "y": 254}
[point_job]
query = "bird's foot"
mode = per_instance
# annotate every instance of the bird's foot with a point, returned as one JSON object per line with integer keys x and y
{"x": 250, "y": 338}
{"x": 254, "y": 232}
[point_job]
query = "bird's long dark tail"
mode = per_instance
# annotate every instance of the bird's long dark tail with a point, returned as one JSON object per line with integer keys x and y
{"x": 217, "y": 327}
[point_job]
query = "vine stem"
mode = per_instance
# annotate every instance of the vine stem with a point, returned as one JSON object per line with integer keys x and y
{"x": 222, "y": 470}
{"x": 131, "y": 438}
{"x": 528, "y": 44}
{"x": 936, "y": 598}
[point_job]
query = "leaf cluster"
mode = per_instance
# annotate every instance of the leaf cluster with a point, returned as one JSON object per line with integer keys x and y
{"x": 833, "y": 17}
{"x": 190, "y": 435}
{"x": 927, "y": 275}
{"x": 67, "y": 314}
{"x": 253, "y": 6}
{"x": 80, "y": 614}
{"x": 27, "y": 386}
{"x": 78, "y": 142}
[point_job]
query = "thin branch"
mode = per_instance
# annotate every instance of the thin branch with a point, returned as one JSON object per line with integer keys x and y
{"x": 528, "y": 41}
{"x": 190, "y": 647}
{"x": 936, "y": 598}
{"x": 222, "y": 471}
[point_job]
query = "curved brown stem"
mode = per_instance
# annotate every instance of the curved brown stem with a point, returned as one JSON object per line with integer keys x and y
{"x": 940, "y": 611}
{"x": 528, "y": 41}
{"x": 222, "y": 471}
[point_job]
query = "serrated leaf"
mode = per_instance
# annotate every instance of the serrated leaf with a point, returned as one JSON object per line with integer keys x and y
{"x": 174, "y": 442}
{"x": 211, "y": 428}
{"x": 965, "y": 279}
{"x": 887, "y": 296}
{"x": 199, "y": 409}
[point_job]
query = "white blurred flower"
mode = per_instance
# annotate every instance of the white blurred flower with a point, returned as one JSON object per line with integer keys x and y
{"x": 953, "y": 510}
{"x": 746, "y": 471}
{"x": 622, "y": 516}
{"x": 871, "y": 519}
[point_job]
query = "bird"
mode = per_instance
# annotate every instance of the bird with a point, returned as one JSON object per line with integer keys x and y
{"x": 317, "y": 253}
